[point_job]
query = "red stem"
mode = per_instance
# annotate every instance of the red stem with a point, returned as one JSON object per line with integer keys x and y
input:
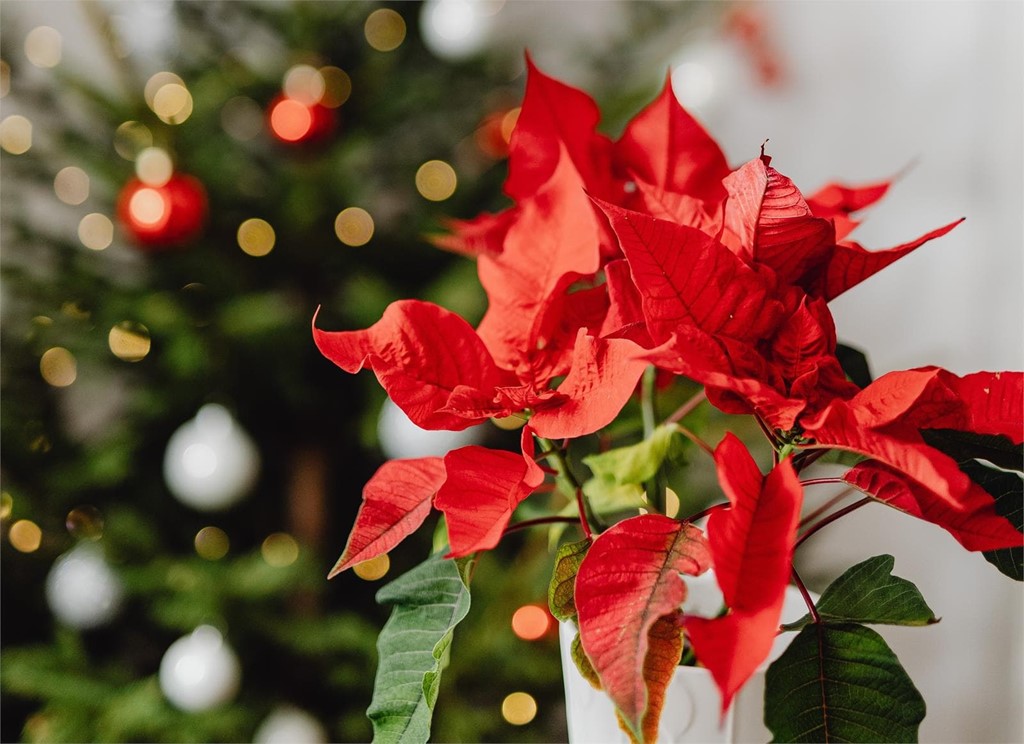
{"x": 688, "y": 406}
{"x": 583, "y": 514}
{"x": 538, "y": 521}
{"x": 807, "y": 596}
{"x": 695, "y": 439}
{"x": 832, "y": 518}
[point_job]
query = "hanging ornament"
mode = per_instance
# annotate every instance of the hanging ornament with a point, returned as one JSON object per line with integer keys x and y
{"x": 162, "y": 215}
{"x": 400, "y": 438}
{"x": 81, "y": 590}
{"x": 294, "y": 121}
{"x": 288, "y": 725}
{"x": 199, "y": 671}
{"x": 211, "y": 462}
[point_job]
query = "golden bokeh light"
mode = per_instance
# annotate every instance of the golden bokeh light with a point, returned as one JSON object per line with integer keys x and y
{"x": 6, "y": 505}
{"x": 304, "y": 84}
{"x": 85, "y": 522}
{"x": 16, "y": 134}
{"x": 256, "y": 237}
{"x": 280, "y": 550}
{"x": 96, "y": 231}
{"x": 156, "y": 82}
{"x": 129, "y": 341}
{"x": 25, "y": 536}
{"x": 131, "y": 138}
{"x": 71, "y": 184}
{"x": 147, "y": 206}
{"x": 58, "y": 366}
{"x": 373, "y": 569}
{"x": 384, "y": 29}
{"x": 43, "y": 46}
{"x": 154, "y": 166}
{"x": 337, "y": 86}
{"x": 242, "y": 118}
{"x": 508, "y": 123}
{"x": 436, "y": 180}
{"x": 212, "y": 543}
{"x": 172, "y": 103}
{"x": 354, "y": 226}
{"x": 519, "y": 708}
{"x": 5, "y": 78}
{"x": 671, "y": 503}
{"x": 530, "y": 622}
{"x": 509, "y": 423}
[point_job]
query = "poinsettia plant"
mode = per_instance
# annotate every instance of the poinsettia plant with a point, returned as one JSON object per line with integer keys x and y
{"x": 642, "y": 275}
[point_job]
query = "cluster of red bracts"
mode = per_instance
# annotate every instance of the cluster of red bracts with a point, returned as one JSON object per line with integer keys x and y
{"x": 650, "y": 250}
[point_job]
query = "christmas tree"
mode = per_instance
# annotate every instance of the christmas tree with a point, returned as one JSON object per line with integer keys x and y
{"x": 180, "y": 464}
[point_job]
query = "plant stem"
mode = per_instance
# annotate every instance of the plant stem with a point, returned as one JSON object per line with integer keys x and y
{"x": 581, "y": 505}
{"x": 807, "y": 596}
{"x": 680, "y": 413}
{"x": 655, "y": 486}
{"x": 566, "y": 475}
{"x": 824, "y": 507}
{"x": 695, "y": 439}
{"x": 832, "y": 518}
{"x": 538, "y": 521}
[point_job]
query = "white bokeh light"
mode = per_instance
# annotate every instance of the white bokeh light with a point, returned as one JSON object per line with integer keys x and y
{"x": 400, "y": 438}
{"x": 81, "y": 590}
{"x": 457, "y": 29}
{"x": 199, "y": 671}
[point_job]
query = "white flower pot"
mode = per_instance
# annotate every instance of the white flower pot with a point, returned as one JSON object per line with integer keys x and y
{"x": 692, "y": 703}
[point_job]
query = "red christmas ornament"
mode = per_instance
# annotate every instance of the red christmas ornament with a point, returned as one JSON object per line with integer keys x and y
{"x": 296, "y": 122}
{"x": 164, "y": 216}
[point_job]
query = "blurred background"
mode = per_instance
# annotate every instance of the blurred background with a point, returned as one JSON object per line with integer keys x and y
{"x": 184, "y": 183}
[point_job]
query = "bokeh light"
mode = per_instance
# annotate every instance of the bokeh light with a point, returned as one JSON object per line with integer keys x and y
{"x": 354, "y": 226}
{"x": 337, "y": 86}
{"x": 154, "y": 166}
{"x": 509, "y": 423}
{"x": 147, "y": 207}
{"x": 58, "y": 366}
{"x": 671, "y": 503}
{"x": 508, "y": 123}
{"x": 25, "y": 536}
{"x": 519, "y": 708}
{"x": 212, "y": 543}
{"x": 373, "y": 569}
{"x": 85, "y": 523}
{"x": 96, "y": 231}
{"x": 693, "y": 83}
{"x": 156, "y": 82}
{"x": 16, "y": 134}
{"x": 172, "y": 103}
{"x": 5, "y": 78}
{"x": 304, "y": 84}
{"x": 256, "y": 237}
{"x": 43, "y": 46}
{"x": 384, "y": 29}
{"x": 280, "y": 550}
{"x": 6, "y": 505}
{"x": 131, "y": 138}
{"x": 436, "y": 180}
{"x": 71, "y": 184}
{"x": 530, "y": 622}
{"x": 291, "y": 120}
{"x": 129, "y": 341}
{"x": 242, "y": 118}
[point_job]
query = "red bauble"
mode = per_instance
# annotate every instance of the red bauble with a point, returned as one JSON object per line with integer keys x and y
{"x": 160, "y": 217}
{"x": 295, "y": 122}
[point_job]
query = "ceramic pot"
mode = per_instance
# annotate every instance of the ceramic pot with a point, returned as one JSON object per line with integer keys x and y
{"x": 691, "y": 712}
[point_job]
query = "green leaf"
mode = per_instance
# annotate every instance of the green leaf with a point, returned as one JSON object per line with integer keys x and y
{"x": 582, "y": 662}
{"x": 1008, "y": 491}
{"x": 636, "y": 463}
{"x": 429, "y": 601}
{"x": 964, "y": 445}
{"x": 854, "y": 364}
{"x": 562, "y": 589}
{"x": 841, "y": 683}
{"x": 869, "y": 593}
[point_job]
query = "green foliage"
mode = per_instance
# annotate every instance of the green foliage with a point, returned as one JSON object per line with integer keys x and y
{"x": 619, "y": 474}
{"x": 563, "y": 579}
{"x": 429, "y": 601}
{"x": 841, "y": 683}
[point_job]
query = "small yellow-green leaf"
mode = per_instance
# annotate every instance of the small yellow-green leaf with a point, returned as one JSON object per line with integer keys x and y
{"x": 561, "y": 590}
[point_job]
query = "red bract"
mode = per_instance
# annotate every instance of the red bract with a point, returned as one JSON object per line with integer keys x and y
{"x": 751, "y": 548}
{"x": 627, "y": 581}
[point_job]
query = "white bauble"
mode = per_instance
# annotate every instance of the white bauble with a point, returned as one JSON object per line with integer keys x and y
{"x": 400, "y": 438}
{"x": 456, "y": 29}
{"x": 199, "y": 671}
{"x": 288, "y": 725}
{"x": 211, "y": 462}
{"x": 81, "y": 590}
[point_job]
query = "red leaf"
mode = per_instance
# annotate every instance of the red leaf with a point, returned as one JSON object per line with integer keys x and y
{"x": 555, "y": 115}
{"x": 665, "y": 146}
{"x": 994, "y": 402}
{"x": 421, "y": 353}
{"x": 688, "y": 278}
{"x": 664, "y": 649}
{"x": 396, "y": 500}
{"x": 900, "y": 447}
{"x": 553, "y": 242}
{"x": 977, "y": 526}
{"x": 683, "y": 209}
{"x": 482, "y": 489}
{"x": 629, "y": 579}
{"x": 837, "y": 201}
{"x": 850, "y": 263}
{"x": 603, "y": 376}
{"x": 767, "y": 221}
{"x": 751, "y": 546}
{"x": 914, "y": 398}
{"x": 484, "y": 235}
{"x": 625, "y": 317}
